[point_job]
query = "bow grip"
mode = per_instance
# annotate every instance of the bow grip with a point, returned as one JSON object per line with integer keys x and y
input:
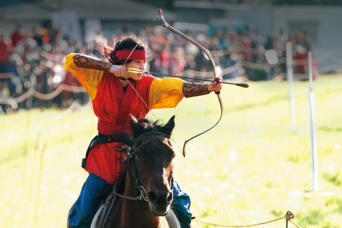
{"x": 217, "y": 80}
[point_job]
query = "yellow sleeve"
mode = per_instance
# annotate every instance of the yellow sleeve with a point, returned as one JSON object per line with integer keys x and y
{"x": 166, "y": 92}
{"x": 89, "y": 78}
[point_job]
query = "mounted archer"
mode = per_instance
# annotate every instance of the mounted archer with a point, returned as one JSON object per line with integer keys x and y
{"x": 115, "y": 94}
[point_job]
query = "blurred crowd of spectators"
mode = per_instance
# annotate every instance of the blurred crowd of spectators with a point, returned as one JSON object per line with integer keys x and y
{"x": 31, "y": 62}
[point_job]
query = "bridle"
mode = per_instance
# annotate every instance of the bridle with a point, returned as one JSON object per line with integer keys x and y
{"x": 133, "y": 171}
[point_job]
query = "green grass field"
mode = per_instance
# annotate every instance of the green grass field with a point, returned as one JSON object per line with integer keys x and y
{"x": 252, "y": 168}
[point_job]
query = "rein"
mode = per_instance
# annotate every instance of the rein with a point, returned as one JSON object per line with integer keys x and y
{"x": 140, "y": 197}
{"x": 134, "y": 175}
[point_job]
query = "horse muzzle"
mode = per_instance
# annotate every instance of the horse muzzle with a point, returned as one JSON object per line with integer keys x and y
{"x": 159, "y": 202}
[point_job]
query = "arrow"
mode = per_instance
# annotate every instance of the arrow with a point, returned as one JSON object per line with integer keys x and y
{"x": 134, "y": 70}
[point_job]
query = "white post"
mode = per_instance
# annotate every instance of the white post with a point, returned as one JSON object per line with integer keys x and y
{"x": 289, "y": 64}
{"x": 312, "y": 127}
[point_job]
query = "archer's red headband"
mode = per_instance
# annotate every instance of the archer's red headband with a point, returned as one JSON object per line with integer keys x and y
{"x": 131, "y": 54}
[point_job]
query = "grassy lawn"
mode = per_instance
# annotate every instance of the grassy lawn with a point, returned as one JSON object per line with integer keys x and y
{"x": 251, "y": 168}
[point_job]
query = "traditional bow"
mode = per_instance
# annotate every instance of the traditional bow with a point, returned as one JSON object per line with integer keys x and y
{"x": 207, "y": 52}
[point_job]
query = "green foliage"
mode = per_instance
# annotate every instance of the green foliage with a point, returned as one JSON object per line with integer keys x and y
{"x": 335, "y": 204}
{"x": 333, "y": 178}
{"x": 277, "y": 213}
{"x": 312, "y": 217}
{"x": 331, "y": 129}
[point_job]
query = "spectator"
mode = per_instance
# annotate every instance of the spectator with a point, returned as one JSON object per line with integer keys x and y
{"x": 5, "y": 51}
{"x": 17, "y": 35}
{"x": 232, "y": 48}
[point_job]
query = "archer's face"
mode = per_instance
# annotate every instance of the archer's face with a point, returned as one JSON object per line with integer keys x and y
{"x": 136, "y": 64}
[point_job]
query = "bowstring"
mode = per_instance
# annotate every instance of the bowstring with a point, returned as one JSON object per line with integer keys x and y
{"x": 130, "y": 84}
{"x": 140, "y": 97}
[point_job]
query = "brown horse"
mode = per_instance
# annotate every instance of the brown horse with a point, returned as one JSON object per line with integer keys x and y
{"x": 147, "y": 193}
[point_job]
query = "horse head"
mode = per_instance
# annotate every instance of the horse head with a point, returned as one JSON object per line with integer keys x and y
{"x": 150, "y": 165}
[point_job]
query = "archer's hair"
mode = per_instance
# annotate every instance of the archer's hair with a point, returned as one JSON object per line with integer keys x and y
{"x": 130, "y": 43}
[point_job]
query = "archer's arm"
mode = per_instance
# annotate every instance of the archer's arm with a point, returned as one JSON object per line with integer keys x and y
{"x": 89, "y": 62}
{"x": 87, "y": 70}
{"x": 193, "y": 89}
{"x": 168, "y": 92}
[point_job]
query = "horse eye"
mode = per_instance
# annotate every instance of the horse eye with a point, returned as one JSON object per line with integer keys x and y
{"x": 137, "y": 155}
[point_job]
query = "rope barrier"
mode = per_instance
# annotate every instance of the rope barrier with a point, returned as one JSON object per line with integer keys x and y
{"x": 32, "y": 92}
{"x": 288, "y": 216}
{"x": 78, "y": 89}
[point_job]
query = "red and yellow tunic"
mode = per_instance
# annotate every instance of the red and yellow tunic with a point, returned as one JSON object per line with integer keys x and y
{"x": 113, "y": 106}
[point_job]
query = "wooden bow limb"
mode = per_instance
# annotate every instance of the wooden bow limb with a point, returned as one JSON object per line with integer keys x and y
{"x": 207, "y": 52}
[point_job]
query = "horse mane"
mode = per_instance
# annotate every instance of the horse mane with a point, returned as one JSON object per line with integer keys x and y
{"x": 144, "y": 125}
{"x": 147, "y": 125}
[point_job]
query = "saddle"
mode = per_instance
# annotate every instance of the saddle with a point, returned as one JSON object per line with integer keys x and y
{"x": 103, "y": 211}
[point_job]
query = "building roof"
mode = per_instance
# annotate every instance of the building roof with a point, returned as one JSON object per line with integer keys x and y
{"x": 98, "y": 9}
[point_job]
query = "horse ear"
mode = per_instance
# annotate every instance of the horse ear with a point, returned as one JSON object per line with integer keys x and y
{"x": 136, "y": 127}
{"x": 169, "y": 126}
{"x": 133, "y": 120}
